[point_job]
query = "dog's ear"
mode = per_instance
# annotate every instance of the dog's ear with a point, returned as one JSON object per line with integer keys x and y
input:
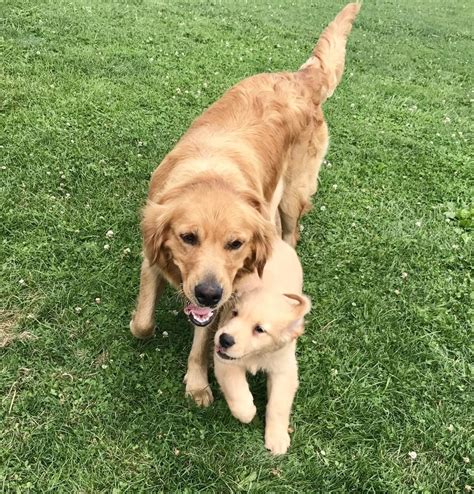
{"x": 263, "y": 247}
{"x": 155, "y": 226}
{"x": 300, "y": 305}
{"x": 264, "y": 231}
{"x": 257, "y": 202}
{"x": 262, "y": 241}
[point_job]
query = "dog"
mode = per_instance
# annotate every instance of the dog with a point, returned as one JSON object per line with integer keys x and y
{"x": 209, "y": 218}
{"x": 260, "y": 333}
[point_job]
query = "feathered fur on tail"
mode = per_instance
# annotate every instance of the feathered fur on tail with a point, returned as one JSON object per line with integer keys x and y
{"x": 330, "y": 50}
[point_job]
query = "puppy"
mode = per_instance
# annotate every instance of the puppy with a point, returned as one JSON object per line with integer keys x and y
{"x": 253, "y": 155}
{"x": 260, "y": 333}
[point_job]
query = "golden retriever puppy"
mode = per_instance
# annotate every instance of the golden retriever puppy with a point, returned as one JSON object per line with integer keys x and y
{"x": 260, "y": 334}
{"x": 209, "y": 219}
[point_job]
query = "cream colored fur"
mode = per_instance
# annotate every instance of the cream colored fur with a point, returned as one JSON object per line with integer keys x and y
{"x": 276, "y": 304}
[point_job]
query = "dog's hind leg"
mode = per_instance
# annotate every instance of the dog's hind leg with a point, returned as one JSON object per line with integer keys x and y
{"x": 197, "y": 383}
{"x": 290, "y": 214}
{"x": 302, "y": 180}
{"x": 152, "y": 285}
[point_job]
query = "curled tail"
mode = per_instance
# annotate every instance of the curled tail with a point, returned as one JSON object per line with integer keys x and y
{"x": 327, "y": 61}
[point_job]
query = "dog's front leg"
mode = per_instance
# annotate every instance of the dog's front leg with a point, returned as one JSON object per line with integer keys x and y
{"x": 197, "y": 383}
{"x": 152, "y": 285}
{"x": 281, "y": 387}
{"x": 233, "y": 382}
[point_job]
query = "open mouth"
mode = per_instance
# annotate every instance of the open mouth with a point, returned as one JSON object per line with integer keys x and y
{"x": 199, "y": 316}
{"x": 223, "y": 355}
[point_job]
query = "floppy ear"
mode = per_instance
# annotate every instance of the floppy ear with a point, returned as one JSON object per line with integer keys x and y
{"x": 300, "y": 306}
{"x": 264, "y": 231}
{"x": 256, "y": 202}
{"x": 262, "y": 245}
{"x": 155, "y": 226}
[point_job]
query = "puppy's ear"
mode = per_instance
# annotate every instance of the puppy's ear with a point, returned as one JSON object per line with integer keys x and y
{"x": 300, "y": 305}
{"x": 155, "y": 226}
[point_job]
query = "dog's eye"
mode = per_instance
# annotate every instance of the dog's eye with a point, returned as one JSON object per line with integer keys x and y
{"x": 258, "y": 329}
{"x": 235, "y": 313}
{"x": 234, "y": 245}
{"x": 189, "y": 238}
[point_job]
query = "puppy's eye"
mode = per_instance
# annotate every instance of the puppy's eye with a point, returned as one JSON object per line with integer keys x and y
{"x": 234, "y": 245}
{"x": 189, "y": 238}
{"x": 258, "y": 329}
{"x": 235, "y": 313}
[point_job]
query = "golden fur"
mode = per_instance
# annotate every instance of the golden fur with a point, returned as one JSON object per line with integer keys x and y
{"x": 276, "y": 306}
{"x": 254, "y": 153}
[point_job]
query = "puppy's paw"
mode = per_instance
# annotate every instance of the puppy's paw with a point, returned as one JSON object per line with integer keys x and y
{"x": 244, "y": 412}
{"x": 277, "y": 441}
{"x": 142, "y": 331}
{"x": 202, "y": 397}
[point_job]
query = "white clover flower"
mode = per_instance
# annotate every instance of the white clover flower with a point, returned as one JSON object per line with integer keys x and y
{"x": 165, "y": 334}
{"x": 106, "y": 247}
{"x": 109, "y": 234}
{"x": 78, "y": 310}
{"x": 412, "y": 455}
{"x": 97, "y": 300}
{"x": 404, "y": 275}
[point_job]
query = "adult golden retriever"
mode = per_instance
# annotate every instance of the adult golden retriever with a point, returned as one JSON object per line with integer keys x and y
{"x": 209, "y": 219}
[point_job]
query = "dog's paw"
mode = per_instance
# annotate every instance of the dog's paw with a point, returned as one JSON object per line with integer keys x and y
{"x": 277, "y": 441}
{"x": 142, "y": 331}
{"x": 202, "y": 397}
{"x": 244, "y": 413}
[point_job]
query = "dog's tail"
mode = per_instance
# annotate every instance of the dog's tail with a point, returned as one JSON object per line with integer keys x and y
{"x": 326, "y": 65}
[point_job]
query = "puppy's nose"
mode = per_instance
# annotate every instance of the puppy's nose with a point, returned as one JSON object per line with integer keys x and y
{"x": 226, "y": 340}
{"x": 208, "y": 293}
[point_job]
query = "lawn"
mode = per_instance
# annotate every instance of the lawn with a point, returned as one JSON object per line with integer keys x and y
{"x": 93, "y": 96}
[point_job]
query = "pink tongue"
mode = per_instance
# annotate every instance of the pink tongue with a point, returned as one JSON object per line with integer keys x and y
{"x": 198, "y": 311}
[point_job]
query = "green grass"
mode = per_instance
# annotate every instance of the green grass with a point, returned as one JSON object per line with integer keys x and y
{"x": 94, "y": 94}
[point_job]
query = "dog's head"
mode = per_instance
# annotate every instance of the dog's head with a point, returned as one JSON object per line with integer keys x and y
{"x": 261, "y": 322}
{"x": 204, "y": 235}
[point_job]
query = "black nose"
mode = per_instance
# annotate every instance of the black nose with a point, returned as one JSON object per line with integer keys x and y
{"x": 208, "y": 293}
{"x": 226, "y": 340}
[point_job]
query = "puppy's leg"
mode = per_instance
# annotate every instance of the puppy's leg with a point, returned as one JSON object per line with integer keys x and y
{"x": 234, "y": 385}
{"x": 281, "y": 387}
{"x": 197, "y": 384}
{"x": 152, "y": 285}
